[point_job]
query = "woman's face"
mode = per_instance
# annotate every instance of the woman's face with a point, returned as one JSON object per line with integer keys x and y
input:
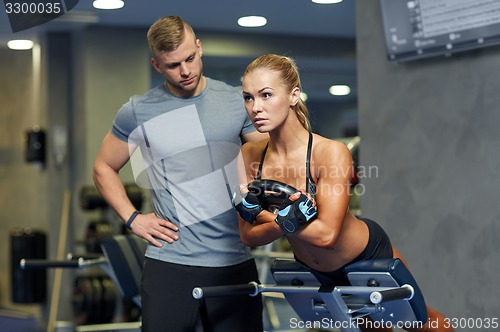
{"x": 267, "y": 101}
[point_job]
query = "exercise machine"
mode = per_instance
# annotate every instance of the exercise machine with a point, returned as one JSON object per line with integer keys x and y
{"x": 381, "y": 289}
{"x": 122, "y": 261}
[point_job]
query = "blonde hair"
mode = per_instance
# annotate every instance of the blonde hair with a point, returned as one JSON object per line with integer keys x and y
{"x": 289, "y": 76}
{"x": 167, "y": 33}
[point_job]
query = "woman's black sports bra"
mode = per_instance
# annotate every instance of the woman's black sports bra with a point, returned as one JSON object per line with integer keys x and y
{"x": 310, "y": 184}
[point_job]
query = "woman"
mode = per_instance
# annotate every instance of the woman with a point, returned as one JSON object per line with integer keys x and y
{"x": 321, "y": 230}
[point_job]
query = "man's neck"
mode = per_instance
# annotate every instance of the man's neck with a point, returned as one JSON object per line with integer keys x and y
{"x": 187, "y": 93}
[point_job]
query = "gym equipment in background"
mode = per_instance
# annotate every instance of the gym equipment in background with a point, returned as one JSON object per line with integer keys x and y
{"x": 27, "y": 286}
{"x": 121, "y": 262}
{"x": 36, "y": 147}
{"x": 91, "y": 199}
{"x": 101, "y": 226}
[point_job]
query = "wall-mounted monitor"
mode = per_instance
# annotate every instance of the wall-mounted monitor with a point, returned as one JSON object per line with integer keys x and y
{"x": 416, "y": 29}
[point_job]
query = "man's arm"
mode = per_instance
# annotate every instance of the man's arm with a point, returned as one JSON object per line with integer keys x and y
{"x": 112, "y": 156}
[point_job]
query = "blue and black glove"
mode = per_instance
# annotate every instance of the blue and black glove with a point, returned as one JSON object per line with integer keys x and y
{"x": 249, "y": 207}
{"x": 291, "y": 217}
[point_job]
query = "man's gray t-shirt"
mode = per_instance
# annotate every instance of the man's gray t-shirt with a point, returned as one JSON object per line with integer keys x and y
{"x": 185, "y": 152}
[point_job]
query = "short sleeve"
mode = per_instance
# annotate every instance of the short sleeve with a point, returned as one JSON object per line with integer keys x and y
{"x": 125, "y": 121}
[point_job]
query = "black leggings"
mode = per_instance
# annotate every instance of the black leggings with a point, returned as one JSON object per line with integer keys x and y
{"x": 378, "y": 246}
{"x": 168, "y": 304}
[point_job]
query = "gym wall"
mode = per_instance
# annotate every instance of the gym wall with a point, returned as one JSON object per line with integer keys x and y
{"x": 22, "y": 198}
{"x": 431, "y": 129}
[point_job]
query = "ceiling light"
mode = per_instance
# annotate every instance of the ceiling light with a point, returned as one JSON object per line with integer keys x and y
{"x": 339, "y": 90}
{"x": 326, "y": 2}
{"x": 20, "y": 44}
{"x": 252, "y": 21}
{"x": 108, "y": 4}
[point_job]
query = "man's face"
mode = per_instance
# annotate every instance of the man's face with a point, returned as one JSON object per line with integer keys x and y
{"x": 182, "y": 68}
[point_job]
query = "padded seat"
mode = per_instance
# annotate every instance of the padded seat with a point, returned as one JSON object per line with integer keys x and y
{"x": 390, "y": 272}
{"x": 125, "y": 256}
{"x": 316, "y": 305}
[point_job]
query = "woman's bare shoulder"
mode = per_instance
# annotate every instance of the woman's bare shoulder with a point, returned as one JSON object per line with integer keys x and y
{"x": 254, "y": 149}
{"x": 324, "y": 146}
{"x": 331, "y": 160}
{"x": 330, "y": 154}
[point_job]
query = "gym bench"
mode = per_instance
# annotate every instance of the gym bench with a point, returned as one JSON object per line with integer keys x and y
{"x": 122, "y": 262}
{"x": 382, "y": 289}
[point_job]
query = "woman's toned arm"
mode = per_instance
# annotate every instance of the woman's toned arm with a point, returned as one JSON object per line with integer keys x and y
{"x": 263, "y": 230}
{"x": 333, "y": 166}
{"x": 333, "y": 169}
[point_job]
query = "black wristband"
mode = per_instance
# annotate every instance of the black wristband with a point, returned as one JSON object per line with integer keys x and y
{"x": 131, "y": 219}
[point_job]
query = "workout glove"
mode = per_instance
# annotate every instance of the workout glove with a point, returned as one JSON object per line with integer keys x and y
{"x": 291, "y": 217}
{"x": 249, "y": 207}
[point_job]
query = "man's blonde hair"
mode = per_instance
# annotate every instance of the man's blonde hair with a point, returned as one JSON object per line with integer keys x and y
{"x": 167, "y": 33}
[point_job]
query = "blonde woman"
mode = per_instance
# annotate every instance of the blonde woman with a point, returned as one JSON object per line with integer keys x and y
{"x": 322, "y": 231}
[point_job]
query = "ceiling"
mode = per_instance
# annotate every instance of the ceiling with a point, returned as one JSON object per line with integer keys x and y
{"x": 294, "y": 18}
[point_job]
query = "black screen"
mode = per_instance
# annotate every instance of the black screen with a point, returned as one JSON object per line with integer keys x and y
{"x": 421, "y": 28}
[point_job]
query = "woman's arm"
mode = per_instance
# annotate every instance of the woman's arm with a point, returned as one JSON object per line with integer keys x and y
{"x": 263, "y": 229}
{"x": 333, "y": 169}
{"x": 333, "y": 166}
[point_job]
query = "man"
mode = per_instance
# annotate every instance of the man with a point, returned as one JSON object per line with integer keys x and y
{"x": 188, "y": 132}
